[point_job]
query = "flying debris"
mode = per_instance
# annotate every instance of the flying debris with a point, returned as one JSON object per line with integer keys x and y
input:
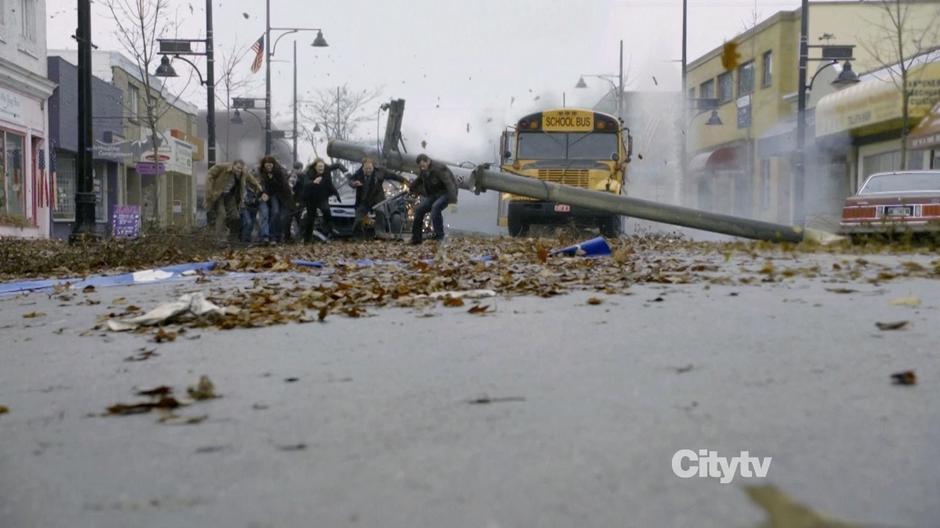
{"x": 655, "y": 82}
{"x": 191, "y": 11}
{"x": 468, "y": 128}
{"x": 424, "y": 144}
{"x": 489, "y": 119}
{"x": 512, "y": 100}
{"x": 245, "y": 15}
{"x": 537, "y": 97}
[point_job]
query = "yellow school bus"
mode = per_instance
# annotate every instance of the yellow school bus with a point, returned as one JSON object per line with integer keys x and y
{"x": 571, "y": 146}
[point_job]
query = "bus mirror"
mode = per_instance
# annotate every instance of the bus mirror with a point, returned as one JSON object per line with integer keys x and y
{"x": 615, "y": 157}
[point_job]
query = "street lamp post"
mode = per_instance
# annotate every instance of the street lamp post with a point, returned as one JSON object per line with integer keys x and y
{"x": 832, "y": 54}
{"x": 180, "y": 47}
{"x": 607, "y": 77}
{"x": 84, "y": 225}
{"x": 318, "y": 42}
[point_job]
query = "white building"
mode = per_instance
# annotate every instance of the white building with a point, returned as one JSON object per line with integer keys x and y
{"x": 25, "y": 188}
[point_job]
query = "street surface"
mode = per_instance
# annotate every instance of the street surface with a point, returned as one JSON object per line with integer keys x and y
{"x": 552, "y": 412}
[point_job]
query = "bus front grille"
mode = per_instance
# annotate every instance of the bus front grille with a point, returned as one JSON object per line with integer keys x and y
{"x": 573, "y": 177}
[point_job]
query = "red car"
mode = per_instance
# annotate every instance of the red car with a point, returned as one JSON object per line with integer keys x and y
{"x": 894, "y": 202}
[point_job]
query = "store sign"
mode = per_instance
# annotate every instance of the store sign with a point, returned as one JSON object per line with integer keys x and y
{"x": 148, "y": 168}
{"x": 11, "y": 105}
{"x": 125, "y": 221}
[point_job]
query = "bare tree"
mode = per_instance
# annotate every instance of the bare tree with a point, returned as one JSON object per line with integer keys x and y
{"x": 336, "y": 113}
{"x": 140, "y": 23}
{"x": 231, "y": 81}
{"x": 901, "y": 41}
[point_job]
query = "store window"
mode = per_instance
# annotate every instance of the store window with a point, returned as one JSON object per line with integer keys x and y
{"x": 745, "y": 78}
{"x": 767, "y": 69}
{"x": 725, "y": 87}
{"x": 706, "y": 90}
{"x": 64, "y": 189}
{"x": 12, "y": 174}
{"x": 133, "y": 102}
{"x": 28, "y": 18}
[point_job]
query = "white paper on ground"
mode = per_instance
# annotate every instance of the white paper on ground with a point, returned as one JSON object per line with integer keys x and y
{"x": 151, "y": 275}
{"x": 194, "y": 303}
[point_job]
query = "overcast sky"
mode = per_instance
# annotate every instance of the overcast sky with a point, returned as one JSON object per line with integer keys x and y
{"x": 481, "y": 62}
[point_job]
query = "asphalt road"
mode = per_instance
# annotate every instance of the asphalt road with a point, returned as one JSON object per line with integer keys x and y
{"x": 370, "y": 422}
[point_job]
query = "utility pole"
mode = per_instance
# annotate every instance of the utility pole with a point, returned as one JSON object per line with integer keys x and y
{"x": 210, "y": 86}
{"x": 620, "y": 88}
{"x": 295, "y": 103}
{"x": 267, "y": 78}
{"x": 799, "y": 174}
{"x": 84, "y": 225}
{"x": 686, "y": 125}
{"x": 338, "y": 136}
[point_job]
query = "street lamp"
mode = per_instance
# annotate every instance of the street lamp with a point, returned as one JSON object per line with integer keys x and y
{"x": 179, "y": 47}
{"x": 318, "y": 42}
{"x": 609, "y": 78}
{"x": 833, "y": 54}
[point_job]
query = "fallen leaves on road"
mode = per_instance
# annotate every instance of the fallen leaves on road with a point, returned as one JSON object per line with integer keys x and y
{"x": 911, "y": 301}
{"x": 784, "y": 512}
{"x": 486, "y": 400}
{"x": 594, "y": 301}
{"x": 895, "y": 325}
{"x": 4, "y": 409}
{"x": 453, "y": 302}
{"x": 841, "y": 290}
{"x": 142, "y": 355}
{"x": 479, "y": 309}
{"x": 203, "y": 390}
{"x": 33, "y": 315}
{"x": 908, "y": 377}
{"x": 162, "y": 399}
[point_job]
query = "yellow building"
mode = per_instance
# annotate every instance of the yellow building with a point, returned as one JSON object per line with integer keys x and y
{"x": 743, "y": 166}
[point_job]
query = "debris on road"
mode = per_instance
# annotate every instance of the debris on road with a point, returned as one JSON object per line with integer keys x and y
{"x": 193, "y": 304}
{"x": 33, "y": 315}
{"x": 4, "y": 409}
{"x": 142, "y": 355}
{"x": 594, "y": 301}
{"x": 479, "y": 309}
{"x": 908, "y": 377}
{"x": 486, "y": 400}
{"x": 910, "y": 300}
{"x": 683, "y": 370}
{"x": 203, "y": 390}
{"x": 896, "y": 325}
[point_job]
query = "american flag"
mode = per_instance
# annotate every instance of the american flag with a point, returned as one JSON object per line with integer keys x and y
{"x": 258, "y": 48}
{"x": 46, "y": 181}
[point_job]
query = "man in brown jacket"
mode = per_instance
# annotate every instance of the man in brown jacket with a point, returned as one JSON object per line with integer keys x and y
{"x": 226, "y": 185}
{"x": 438, "y": 188}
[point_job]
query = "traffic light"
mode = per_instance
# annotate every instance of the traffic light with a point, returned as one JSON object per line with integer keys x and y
{"x": 730, "y": 55}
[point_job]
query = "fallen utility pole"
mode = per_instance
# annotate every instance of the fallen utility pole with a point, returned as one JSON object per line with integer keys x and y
{"x": 483, "y": 178}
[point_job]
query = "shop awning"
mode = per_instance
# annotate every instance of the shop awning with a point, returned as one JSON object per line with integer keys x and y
{"x": 712, "y": 159}
{"x": 877, "y": 101}
{"x": 926, "y": 135}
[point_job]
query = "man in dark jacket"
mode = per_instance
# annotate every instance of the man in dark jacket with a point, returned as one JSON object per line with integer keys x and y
{"x": 368, "y": 182}
{"x": 275, "y": 199}
{"x": 315, "y": 188}
{"x": 438, "y": 188}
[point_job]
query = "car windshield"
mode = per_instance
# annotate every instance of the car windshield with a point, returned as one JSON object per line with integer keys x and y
{"x": 563, "y": 145}
{"x": 902, "y": 182}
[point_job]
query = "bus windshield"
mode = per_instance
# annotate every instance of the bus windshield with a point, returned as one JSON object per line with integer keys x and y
{"x": 566, "y": 145}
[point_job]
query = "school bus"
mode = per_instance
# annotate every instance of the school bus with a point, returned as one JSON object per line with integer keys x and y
{"x": 571, "y": 146}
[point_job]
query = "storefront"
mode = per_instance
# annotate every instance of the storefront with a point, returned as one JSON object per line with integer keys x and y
{"x": 25, "y": 189}
{"x": 63, "y": 126}
{"x": 162, "y": 186}
{"x": 926, "y": 137}
{"x": 868, "y": 117}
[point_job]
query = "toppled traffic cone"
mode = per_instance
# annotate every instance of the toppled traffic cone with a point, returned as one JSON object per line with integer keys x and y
{"x": 595, "y": 247}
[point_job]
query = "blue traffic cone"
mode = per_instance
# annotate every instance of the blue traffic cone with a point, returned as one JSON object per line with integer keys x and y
{"x": 595, "y": 247}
